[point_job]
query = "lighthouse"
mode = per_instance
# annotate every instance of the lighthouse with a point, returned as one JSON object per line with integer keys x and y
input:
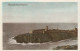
{"x": 46, "y": 29}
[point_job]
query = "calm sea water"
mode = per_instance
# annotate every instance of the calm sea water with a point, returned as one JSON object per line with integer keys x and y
{"x": 13, "y": 29}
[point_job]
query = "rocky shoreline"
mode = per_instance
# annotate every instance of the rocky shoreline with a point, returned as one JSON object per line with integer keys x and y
{"x": 41, "y": 38}
{"x": 66, "y": 47}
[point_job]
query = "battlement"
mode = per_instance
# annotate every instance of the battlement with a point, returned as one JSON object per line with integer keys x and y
{"x": 52, "y": 31}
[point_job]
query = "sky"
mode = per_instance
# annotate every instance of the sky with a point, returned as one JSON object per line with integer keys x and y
{"x": 43, "y": 12}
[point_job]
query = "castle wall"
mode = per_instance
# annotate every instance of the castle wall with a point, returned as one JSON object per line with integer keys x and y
{"x": 55, "y": 31}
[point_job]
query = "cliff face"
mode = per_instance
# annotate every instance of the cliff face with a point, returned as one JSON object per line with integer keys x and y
{"x": 34, "y": 38}
{"x": 46, "y": 37}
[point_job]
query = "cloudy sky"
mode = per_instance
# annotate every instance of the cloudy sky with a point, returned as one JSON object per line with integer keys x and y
{"x": 23, "y": 12}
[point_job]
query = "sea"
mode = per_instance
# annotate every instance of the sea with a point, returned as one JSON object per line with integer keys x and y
{"x": 10, "y": 30}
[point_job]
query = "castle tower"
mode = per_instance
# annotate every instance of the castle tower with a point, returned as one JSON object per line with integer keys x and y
{"x": 76, "y": 30}
{"x": 46, "y": 29}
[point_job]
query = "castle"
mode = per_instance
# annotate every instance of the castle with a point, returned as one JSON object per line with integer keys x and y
{"x": 46, "y": 35}
{"x": 52, "y": 31}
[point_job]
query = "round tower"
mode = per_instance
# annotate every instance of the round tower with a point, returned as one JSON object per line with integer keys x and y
{"x": 46, "y": 29}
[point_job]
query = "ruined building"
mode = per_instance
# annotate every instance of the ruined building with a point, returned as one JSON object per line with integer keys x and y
{"x": 54, "y": 31}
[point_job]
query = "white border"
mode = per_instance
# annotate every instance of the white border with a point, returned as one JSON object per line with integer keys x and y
{"x": 41, "y": 0}
{"x": 1, "y": 37}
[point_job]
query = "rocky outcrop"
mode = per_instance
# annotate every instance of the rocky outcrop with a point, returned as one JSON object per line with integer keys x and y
{"x": 40, "y": 38}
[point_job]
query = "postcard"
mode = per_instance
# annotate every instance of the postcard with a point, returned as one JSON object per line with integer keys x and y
{"x": 40, "y": 25}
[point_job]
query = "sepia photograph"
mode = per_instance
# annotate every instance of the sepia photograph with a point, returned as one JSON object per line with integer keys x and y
{"x": 40, "y": 25}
